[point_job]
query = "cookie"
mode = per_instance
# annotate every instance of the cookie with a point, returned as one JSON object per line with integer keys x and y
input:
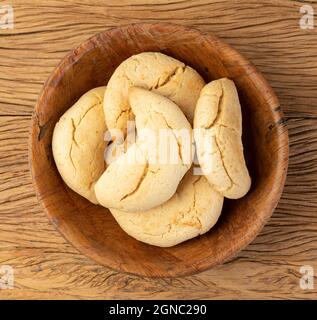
{"x": 218, "y": 130}
{"x": 137, "y": 180}
{"x": 156, "y": 72}
{"x": 193, "y": 210}
{"x": 78, "y": 144}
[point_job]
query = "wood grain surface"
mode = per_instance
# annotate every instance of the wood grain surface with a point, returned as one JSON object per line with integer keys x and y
{"x": 266, "y": 32}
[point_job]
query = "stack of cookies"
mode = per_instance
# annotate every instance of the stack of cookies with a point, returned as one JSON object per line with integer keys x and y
{"x": 167, "y": 185}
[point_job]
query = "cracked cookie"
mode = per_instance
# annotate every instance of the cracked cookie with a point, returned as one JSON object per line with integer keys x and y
{"x": 218, "y": 130}
{"x": 193, "y": 210}
{"x": 138, "y": 181}
{"x": 78, "y": 144}
{"x": 156, "y": 72}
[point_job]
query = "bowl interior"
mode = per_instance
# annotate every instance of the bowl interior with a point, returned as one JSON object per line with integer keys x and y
{"x": 91, "y": 228}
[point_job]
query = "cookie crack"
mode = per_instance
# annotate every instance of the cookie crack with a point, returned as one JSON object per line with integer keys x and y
{"x": 181, "y": 220}
{"x": 223, "y": 163}
{"x": 160, "y": 82}
{"x": 74, "y": 128}
{"x": 194, "y": 204}
{"x": 137, "y": 187}
{"x": 227, "y": 127}
{"x": 72, "y": 144}
{"x": 121, "y": 113}
{"x": 84, "y": 115}
{"x": 219, "y": 109}
{"x": 177, "y": 141}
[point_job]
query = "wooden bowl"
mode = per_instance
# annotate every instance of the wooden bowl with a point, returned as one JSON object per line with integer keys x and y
{"x": 92, "y": 229}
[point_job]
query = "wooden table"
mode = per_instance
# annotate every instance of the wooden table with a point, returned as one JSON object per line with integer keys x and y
{"x": 269, "y": 34}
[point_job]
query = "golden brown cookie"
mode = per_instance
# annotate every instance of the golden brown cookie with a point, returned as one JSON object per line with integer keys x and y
{"x": 192, "y": 211}
{"x": 156, "y": 72}
{"x": 137, "y": 181}
{"x": 78, "y": 144}
{"x": 218, "y": 130}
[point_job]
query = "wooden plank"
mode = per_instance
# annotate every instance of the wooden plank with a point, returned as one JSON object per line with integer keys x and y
{"x": 46, "y": 266}
{"x": 266, "y": 31}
